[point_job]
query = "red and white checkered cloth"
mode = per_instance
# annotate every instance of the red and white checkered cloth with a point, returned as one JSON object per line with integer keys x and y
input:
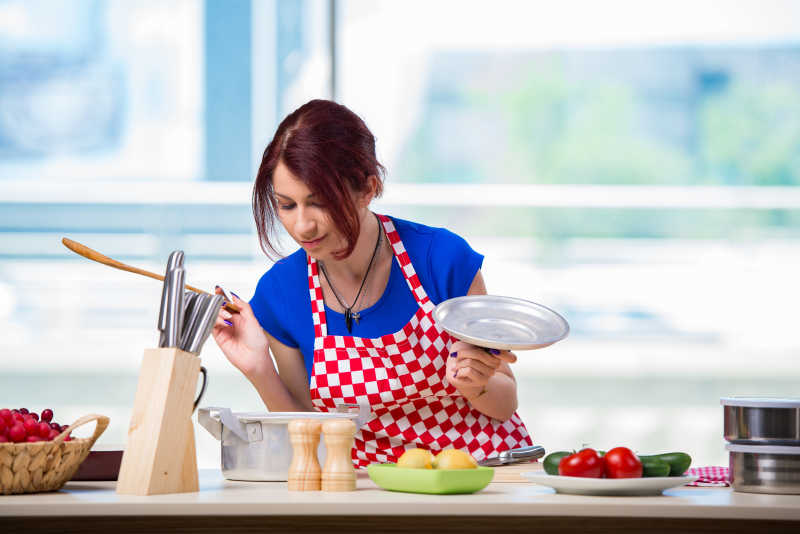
{"x": 401, "y": 378}
{"x": 709, "y": 476}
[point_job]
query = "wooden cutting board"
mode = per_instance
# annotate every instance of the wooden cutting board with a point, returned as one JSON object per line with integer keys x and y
{"x": 512, "y": 473}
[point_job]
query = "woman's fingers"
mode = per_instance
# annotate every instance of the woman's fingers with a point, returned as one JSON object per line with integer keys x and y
{"x": 469, "y": 376}
{"x": 504, "y": 355}
{"x": 244, "y": 306}
{"x": 477, "y": 354}
{"x": 491, "y": 357}
{"x": 477, "y": 365}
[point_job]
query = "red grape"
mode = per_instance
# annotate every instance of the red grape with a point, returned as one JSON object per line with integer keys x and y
{"x": 17, "y": 433}
{"x": 3, "y": 438}
{"x": 5, "y": 413}
{"x": 23, "y": 411}
{"x": 31, "y": 426}
{"x": 2, "y": 426}
{"x": 44, "y": 429}
{"x": 34, "y": 415}
{"x": 34, "y": 439}
{"x": 55, "y": 426}
{"x": 47, "y": 415}
{"x": 52, "y": 435}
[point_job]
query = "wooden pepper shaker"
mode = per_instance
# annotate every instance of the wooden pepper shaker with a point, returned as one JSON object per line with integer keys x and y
{"x": 304, "y": 471}
{"x": 338, "y": 473}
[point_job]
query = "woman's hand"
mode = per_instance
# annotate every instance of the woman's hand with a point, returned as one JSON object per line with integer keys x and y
{"x": 241, "y": 338}
{"x": 469, "y": 368}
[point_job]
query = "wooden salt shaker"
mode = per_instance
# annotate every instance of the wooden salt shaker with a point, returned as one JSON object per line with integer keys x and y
{"x": 338, "y": 473}
{"x": 304, "y": 471}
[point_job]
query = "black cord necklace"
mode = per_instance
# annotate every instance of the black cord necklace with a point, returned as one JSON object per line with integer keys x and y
{"x": 349, "y": 315}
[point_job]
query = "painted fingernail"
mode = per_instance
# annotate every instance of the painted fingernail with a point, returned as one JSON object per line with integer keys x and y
{"x": 453, "y": 354}
{"x": 235, "y": 295}
{"x": 455, "y": 374}
{"x": 224, "y": 303}
{"x": 494, "y": 351}
{"x": 227, "y": 322}
{"x": 216, "y": 287}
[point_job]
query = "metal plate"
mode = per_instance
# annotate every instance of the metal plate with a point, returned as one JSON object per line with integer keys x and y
{"x": 504, "y": 323}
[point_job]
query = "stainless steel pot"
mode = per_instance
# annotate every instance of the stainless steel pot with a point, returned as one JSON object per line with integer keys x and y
{"x": 762, "y": 420}
{"x": 255, "y": 446}
{"x": 764, "y": 468}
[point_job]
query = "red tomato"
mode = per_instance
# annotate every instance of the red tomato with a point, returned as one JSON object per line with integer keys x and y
{"x": 620, "y": 462}
{"x": 584, "y": 463}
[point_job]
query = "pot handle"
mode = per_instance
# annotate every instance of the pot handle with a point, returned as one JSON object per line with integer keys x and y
{"x": 209, "y": 419}
{"x": 214, "y": 418}
{"x": 364, "y": 411}
{"x": 233, "y": 423}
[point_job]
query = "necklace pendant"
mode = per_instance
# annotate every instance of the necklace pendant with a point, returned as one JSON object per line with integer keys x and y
{"x": 348, "y": 319}
{"x": 357, "y": 316}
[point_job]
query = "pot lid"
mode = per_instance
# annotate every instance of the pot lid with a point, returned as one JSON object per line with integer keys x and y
{"x": 761, "y": 402}
{"x": 763, "y": 449}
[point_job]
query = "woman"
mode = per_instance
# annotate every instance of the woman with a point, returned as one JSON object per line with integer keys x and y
{"x": 348, "y": 316}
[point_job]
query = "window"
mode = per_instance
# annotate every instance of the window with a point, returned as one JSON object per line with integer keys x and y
{"x": 633, "y": 166}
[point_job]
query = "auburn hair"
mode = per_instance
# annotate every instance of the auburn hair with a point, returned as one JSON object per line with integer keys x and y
{"x": 331, "y": 150}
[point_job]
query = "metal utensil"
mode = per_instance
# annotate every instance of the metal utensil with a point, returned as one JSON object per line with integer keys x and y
{"x": 190, "y": 315}
{"x": 206, "y": 323}
{"x": 504, "y": 323}
{"x": 764, "y": 468}
{"x": 256, "y": 446}
{"x": 174, "y": 323}
{"x": 762, "y": 420}
{"x": 513, "y": 456}
{"x": 175, "y": 260}
{"x": 193, "y": 321}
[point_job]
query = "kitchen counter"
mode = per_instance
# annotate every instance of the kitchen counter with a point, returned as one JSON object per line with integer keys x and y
{"x": 513, "y": 507}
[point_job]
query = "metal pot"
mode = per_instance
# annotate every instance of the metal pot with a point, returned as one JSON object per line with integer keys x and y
{"x": 255, "y": 446}
{"x": 762, "y": 420}
{"x": 764, "y": 468}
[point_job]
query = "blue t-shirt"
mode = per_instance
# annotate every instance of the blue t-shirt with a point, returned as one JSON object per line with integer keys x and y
{"x": 444, "y": 262}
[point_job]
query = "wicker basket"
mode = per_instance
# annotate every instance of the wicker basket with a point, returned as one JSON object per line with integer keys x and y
{"x": 46, "y": 465}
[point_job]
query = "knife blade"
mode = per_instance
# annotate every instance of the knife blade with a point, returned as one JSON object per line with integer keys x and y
{"x": 513, "y": 456}
{"x": 175, "y": 306}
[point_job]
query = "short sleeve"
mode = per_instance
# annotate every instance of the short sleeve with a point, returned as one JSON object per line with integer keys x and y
{"x": 267, "y": 299}
{"x": 453, "y": 265}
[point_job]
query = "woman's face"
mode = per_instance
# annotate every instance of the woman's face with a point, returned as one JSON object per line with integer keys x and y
{"x": 303, "y": 216}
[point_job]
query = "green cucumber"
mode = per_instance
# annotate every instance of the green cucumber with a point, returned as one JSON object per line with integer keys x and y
{"x": 552, "y": 460}
{"x": 654, "y": 467}
{"x": 678, "y": 462}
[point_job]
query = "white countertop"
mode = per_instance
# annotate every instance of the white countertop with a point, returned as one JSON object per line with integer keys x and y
{"x": 218, "y": 496}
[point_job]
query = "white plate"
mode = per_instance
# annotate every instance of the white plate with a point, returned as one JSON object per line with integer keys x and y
{"x": 504, "y": 323}
{"x": 607, "y": 486}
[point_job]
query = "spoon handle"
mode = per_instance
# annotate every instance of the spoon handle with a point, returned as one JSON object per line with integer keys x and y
{"x": 86, "y": 252}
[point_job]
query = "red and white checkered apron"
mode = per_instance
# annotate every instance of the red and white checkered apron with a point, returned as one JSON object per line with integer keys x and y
{"x": 401, "y": 378}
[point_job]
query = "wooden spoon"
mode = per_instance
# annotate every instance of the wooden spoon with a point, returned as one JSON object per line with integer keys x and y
{"x": 91, "y": 254}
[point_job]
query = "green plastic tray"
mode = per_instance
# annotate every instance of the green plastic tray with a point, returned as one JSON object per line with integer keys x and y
{"x": 439, "y": 481}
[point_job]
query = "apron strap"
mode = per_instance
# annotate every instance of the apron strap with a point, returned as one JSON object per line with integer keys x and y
{"x": 405, "y": 264}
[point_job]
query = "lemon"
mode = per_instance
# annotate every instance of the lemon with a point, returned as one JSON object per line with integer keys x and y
{"x": 416, "y": 459}
{"x": 454, "y": 459}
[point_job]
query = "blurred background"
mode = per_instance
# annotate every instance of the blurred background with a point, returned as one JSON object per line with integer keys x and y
{"x": 634, "y": 165}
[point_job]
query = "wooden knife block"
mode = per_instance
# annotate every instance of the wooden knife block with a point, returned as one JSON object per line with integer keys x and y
{"x": 160, "y": 454}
